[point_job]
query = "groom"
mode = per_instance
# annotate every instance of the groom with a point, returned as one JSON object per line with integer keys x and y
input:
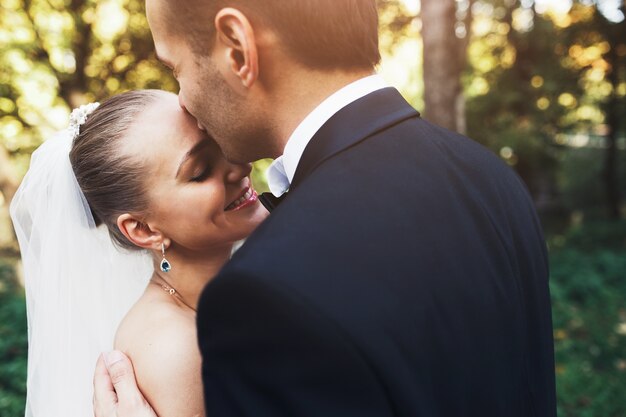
{"x": 402, "y": 272}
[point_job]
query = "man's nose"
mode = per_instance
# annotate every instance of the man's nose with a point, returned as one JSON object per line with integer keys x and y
{"x": 237, "y": 171}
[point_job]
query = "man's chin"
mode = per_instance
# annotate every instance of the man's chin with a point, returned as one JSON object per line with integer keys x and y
{"x": 241, "y": 146}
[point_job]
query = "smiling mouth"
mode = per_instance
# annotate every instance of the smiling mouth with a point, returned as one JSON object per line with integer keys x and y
{"x": 248, "y": 197}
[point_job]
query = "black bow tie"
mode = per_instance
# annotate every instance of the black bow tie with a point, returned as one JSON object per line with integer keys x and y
{"x": 270, "y": 201}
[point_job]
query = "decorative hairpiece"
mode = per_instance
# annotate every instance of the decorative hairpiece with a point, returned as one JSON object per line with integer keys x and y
{"x": 79, "y": 116}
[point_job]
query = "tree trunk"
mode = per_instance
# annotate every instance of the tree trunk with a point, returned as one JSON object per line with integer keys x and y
{"x": 610, "y": 172}
{"x": 8, "y": 187}
{"x": 444, "y": 60}
{"x": 8, "y": 180}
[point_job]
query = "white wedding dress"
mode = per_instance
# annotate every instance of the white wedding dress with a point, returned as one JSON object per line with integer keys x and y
{"x": 78, "y": 284}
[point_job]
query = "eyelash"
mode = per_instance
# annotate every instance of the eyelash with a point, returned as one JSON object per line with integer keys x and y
{"x": 202, "y": 176}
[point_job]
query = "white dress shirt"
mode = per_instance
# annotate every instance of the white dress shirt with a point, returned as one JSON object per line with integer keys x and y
{"x": 281, "y": 172}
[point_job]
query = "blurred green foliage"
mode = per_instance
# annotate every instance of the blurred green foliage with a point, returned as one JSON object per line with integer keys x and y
{"x": 13, "y": 344}
{"x": 577, "y": 178}
{"x": 588, "y": 284}
{"x": 56, "y": 55}
{"x": 541, "y": 92}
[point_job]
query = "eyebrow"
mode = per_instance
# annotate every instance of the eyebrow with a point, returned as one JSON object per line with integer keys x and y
{"x": 196, "y": 148}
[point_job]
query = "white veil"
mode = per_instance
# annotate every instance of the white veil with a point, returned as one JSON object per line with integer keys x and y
{"x": 78, "y": 284}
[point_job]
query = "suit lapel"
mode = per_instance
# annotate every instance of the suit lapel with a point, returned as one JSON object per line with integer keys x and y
{"x": 352, "y": 124}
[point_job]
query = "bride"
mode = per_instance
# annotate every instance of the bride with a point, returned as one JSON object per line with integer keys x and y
{"x": 127, "y": 214}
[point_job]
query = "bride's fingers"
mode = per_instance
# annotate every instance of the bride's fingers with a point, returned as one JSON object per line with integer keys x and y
{"x": 104, "y": 397}
{"x": 130, "y": 400}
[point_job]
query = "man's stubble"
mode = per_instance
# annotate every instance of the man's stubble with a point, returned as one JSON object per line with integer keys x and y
{"x": 236, "y": 124}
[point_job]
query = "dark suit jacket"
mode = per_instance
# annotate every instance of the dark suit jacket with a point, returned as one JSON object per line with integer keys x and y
{"x": 404, "y": 275}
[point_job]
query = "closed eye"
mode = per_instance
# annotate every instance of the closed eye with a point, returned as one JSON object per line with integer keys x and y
{"x": 202, "y": 175}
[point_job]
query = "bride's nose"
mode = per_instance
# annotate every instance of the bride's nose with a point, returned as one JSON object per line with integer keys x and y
{"x": 236, "y": 172}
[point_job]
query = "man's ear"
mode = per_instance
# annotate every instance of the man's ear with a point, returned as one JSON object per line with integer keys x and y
{"x": 139, "y": 233}
{"x": 236, "y": 43}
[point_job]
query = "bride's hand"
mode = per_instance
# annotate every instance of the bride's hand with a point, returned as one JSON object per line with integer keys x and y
{"x": 115, "y": 389}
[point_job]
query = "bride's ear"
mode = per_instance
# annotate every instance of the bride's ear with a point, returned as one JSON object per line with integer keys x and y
{"x": 139, "y": 233}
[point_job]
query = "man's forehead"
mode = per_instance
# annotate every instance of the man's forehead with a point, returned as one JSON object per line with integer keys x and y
{"x": 162, "y": 33}
{"x": 163, "y": 15}
{"x": 151, "y": 5}
{"x": 155, "y": 12}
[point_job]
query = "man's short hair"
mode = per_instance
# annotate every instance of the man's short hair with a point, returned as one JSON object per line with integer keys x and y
{"x": 321, "y": 34}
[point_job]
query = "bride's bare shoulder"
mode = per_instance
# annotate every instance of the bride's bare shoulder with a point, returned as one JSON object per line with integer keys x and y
{"x": 153, "y": 317}
{"x": 161, "y": 341}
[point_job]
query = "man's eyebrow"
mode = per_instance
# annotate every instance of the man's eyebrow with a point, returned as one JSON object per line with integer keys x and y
{"x": 196, "y": 148}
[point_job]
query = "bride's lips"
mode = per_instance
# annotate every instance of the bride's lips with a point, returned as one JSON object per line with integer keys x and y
{"x": 247, "y": 197}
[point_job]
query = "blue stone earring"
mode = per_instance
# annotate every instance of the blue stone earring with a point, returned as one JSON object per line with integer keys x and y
{"x": 165, "y": 264}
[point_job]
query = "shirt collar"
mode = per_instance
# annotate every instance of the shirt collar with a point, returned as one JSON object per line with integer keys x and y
{"x": 281, "y": 172}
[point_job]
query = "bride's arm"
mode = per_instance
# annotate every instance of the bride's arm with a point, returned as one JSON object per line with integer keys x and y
{"x": 164, "y": 352}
